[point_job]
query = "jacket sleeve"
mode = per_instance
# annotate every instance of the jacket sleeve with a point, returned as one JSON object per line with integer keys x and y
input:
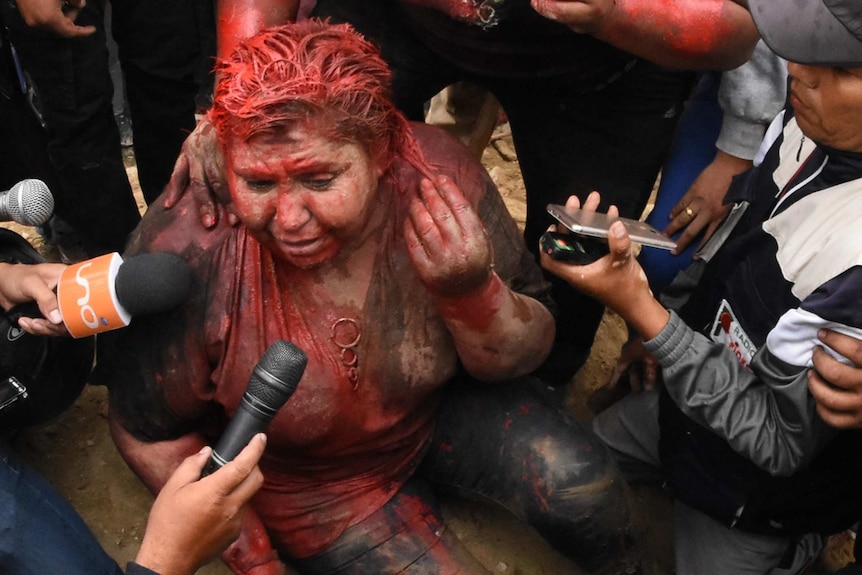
{"x": 764, "y": 412}
{"x": 750, "y": 97}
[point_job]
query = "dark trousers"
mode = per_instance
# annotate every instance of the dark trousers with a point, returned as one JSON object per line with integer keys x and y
{"x": 92, "y": 192}
{"x": 569, "y": 140}
{"x": 163, "y": 52}
{"x": 500, "y": 443}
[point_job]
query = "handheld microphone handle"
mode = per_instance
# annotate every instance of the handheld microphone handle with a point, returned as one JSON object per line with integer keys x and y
{"x": 272, "y": 382}
{"x": 246, "y": 423}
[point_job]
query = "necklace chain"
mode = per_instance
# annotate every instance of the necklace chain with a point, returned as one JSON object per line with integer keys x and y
{"x": 349, "y": 330}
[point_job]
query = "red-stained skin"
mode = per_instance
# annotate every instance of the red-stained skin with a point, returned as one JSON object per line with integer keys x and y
{"x": 689, "y": 26}
{"x": 302, "y": 195}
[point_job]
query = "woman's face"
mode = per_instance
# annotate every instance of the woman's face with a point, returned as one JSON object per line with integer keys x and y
{"x": 302, "y": 195}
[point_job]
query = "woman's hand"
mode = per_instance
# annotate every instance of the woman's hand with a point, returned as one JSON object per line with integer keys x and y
{"x": 617, "y": 280}
{"x": 446, "y": 240}
{"x": 837, "y": 387}
{"x": 200, "y": 170}
{"x": 194, "y": 518}
{"x": 702, "y": 207}
{"x": 24, "y": 283}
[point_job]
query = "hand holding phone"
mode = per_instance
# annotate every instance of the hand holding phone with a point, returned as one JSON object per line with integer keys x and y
{"x": 595, "y": 224}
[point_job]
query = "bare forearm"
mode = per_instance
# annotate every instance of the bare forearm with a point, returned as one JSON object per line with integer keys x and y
{"x": 683, "y": 34}
{"x": 154, "y": 462}
{"x": 241, "y": 19}
{"x": 498, "y": 333}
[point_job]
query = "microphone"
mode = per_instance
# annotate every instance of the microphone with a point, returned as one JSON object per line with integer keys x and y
{"x": 104, "y": 293}
{"x": 271, "y": 384}
{"x": 29, "y": 202}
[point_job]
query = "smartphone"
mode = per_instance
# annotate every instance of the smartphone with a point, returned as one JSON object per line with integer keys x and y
{"x": 574, "y": 249}
{"x": 596, "y": 225}
{"x": 11, "y": 391}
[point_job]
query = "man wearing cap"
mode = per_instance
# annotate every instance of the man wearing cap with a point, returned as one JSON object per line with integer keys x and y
{"x": 758, "y": 476}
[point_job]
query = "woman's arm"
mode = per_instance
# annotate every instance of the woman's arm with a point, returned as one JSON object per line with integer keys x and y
{"x": 498, "y": 333}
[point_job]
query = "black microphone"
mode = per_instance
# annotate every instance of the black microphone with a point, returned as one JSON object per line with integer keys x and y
{"x": 271, "y": 384}
{"x": 104, "y": 293}
{"x": 29, "y": 203}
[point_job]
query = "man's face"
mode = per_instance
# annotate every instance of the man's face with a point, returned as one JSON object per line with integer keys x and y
{"x": 302, "y": 195}
{"x": 828, "y": 104}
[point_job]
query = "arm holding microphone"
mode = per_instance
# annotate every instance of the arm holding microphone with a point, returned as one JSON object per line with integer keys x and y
{"x": 193, "y": 520}
{"x": 271, "y": 384}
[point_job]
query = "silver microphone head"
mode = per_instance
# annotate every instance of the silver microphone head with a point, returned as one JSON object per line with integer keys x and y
{"x": 29, "y": 203}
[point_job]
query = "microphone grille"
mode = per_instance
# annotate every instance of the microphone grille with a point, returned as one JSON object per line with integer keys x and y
{"x": 153, "y": 283}
{"x": 277, "y": 374}
{"x": 30, "y": 202}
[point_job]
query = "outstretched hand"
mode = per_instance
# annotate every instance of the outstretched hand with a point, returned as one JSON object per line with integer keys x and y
{"x": 200, "y": 170}
{"x": 24, "y": 283}
{"x": 835, "y": 386}
{"x": 194, "y": 518}
{"x": 446, "y": 240}
{"x": 55, "y": 15}
{"x": 617, "y": 280}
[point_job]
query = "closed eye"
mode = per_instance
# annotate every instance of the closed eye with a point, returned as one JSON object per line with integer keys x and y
{"x": 319, "y": 183}
{"x": 260, "y": 185}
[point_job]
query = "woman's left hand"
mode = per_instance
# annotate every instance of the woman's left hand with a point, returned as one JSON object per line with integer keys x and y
{"x": 446, "y": 240}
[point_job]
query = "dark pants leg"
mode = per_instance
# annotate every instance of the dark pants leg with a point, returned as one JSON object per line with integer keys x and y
{"x": 83, "y": 143}
{"x": 161, "y": 50}
{"x": 499, "y": 443}
{"x": 417, "y": 73}
{"x": 505, "y": 443}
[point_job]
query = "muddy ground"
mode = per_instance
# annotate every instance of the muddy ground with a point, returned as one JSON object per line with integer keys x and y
{"x": 76, "y": 454}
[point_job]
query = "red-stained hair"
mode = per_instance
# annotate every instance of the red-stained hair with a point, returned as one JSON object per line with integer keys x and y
{"x": 313, "y": 72}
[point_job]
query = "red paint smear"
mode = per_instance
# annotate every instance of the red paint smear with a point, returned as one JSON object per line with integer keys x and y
{"x": 689, "y": 26}
{"x": 508, "y": 423}
{"x": 446, "y": 447}
{"x": 477, "y": 310}
{"x": 525, "y": 409}
{"x": 538, "y": 487}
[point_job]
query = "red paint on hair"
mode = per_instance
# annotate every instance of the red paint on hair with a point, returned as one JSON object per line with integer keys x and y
{"x": 312, "y": 72}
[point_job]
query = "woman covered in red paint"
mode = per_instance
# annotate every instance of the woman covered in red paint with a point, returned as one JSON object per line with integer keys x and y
{"x": 384, "y": 251}
{"x": 592, "y": 90}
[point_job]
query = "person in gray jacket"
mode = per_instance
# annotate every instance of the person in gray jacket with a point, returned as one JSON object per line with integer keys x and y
{"x": 758, "y": 476}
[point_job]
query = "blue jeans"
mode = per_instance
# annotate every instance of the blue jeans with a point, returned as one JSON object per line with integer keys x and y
{"x": 40, "y": 533}
{"x": 693, "y": 150}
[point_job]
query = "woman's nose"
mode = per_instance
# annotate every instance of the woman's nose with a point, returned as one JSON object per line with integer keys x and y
{"x": 291, "y": 213}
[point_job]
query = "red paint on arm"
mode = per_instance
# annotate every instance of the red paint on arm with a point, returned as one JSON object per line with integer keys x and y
{"x": 690, "y": 30}
{"x": 237, "y": 20}
{"x": 477, "y": 309}
{"x": 688, "y": 26}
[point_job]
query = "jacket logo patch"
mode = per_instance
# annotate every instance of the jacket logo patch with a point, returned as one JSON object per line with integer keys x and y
{"x": 726, "y": 330}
